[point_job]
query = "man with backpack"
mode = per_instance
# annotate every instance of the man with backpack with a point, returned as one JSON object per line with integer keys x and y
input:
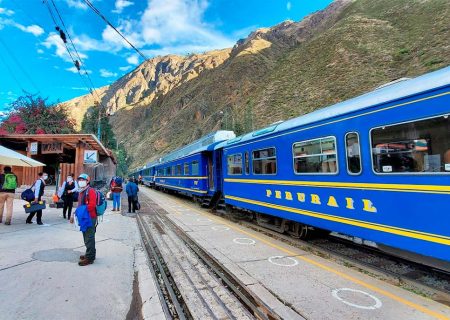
{"x": 88, "y": 200}
{"x": 39, "y": 187}
{"x": 116, "y": 189}
{"x": 8, "y": 185}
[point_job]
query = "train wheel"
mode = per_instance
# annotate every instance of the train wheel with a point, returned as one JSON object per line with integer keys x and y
{"x": 299, "y": 231}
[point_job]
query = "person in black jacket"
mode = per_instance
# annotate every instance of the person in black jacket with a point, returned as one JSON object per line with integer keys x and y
{"x": 66, "y": 193}
{"x": 39, "y": 187}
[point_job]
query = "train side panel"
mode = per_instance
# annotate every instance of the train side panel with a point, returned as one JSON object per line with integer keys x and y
{"x": 407, "y": 210}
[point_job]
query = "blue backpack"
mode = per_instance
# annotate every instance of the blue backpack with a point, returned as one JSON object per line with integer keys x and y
{"x": 101, "y": 202}
{"x": 28, "y": 194}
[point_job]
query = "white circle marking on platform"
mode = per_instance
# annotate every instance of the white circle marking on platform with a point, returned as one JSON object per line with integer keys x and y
{"x": 293, "y": 262}
{"x": 220, "y": 228}
{"x": 377, "y": 304}
{"x": 203, "y": 220}
{"x": 245, "y": 241}
{"x": 192, "y": 214}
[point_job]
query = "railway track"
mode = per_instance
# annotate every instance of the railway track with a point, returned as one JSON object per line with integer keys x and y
{"x": 415, "y": 277}
{"x": 192, "y": 284}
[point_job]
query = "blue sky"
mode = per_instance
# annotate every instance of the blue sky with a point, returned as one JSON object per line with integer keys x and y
{"x": 33, "y": 57}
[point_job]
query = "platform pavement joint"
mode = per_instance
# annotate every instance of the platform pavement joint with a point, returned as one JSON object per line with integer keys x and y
{"x": 42, "y": 280}
{"x": 317, "y": 288}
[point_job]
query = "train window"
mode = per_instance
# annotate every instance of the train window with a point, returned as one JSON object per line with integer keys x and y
{"x": 353, "y": 152}
{"x": 247, "y": 163}
{"x": 173, "y": 170}
{"x": 186, "y": 169}
{"x": 421, "y": 146}
{"x": 195, "y": 170}
{"x": 315, "y": 156}
{"x": 234, "y": 164}
{"x": 264, "y": 161}
{"x": 178, "y": 170}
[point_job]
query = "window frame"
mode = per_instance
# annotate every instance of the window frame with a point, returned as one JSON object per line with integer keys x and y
{"x": 186, "y": 164}
{"x": 360, "y": 155}
{"x": 444, "y": 115}
{"x": 242, "y": 165}
{"x": 247, "y": 168}
{"x": 198, "y": 167}
{"x": 276, "y": 162}
{"x": 316, "y": 173}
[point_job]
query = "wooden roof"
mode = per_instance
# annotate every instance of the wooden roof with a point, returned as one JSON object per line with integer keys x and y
{"x": 69, "y": 140}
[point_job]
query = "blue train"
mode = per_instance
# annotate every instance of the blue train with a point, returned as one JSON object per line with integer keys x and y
{"x": 375, "y": 167}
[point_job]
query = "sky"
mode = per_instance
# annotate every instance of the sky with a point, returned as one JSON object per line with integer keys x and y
{"x": 33, "y": 56}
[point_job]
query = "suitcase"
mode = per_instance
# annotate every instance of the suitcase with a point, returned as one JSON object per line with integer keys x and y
{"x": 34, "y": 206}
{"x": 59, "y": 204}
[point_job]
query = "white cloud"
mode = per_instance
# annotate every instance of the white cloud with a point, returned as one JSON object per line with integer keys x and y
{"x": 79, "y": 88}
{"x": 74, "y": 70}
{"x": 33, "y": 29}
{"x": 180, "y": 22}
{"x": 107, "y": 74}
{"x": 40, "y": 51}
{"x": 122, "y": 4}
{"x": 288, "y": 5}
{"x": 126, "y": 68}
{"x": 6, "y": 12}
{"x": 78, "y": 4}
{"x": 133, "y": 59}
{"x": 53, "y": 40}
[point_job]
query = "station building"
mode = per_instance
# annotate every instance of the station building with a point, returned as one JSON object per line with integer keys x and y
{"x": 62, "y": 154}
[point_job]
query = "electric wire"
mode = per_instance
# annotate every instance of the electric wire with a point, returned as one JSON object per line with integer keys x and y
{"x": 89, "y": 3}
{"x": 27, "y": 75}
{"x": 11, "y": 73}
{"x": 90, "y": 87}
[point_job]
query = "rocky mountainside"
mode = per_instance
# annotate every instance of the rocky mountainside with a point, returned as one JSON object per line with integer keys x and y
{"x": 275, "y": 73}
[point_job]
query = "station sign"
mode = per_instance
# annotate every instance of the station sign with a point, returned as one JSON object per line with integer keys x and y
{"x": 51, "y": 147}
{"x": 90, "y": 156}
{"x": 33, "y": 148}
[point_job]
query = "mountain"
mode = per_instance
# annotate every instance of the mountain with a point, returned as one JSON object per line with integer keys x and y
{"x": 274, "y": 74}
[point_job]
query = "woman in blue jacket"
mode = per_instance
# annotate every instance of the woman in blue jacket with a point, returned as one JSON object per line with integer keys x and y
{"x": 132, "y": 190}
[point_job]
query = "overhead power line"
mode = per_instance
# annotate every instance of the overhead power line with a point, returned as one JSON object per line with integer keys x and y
{"x": 26, "y": 74}
{"x": 89, "y": 3}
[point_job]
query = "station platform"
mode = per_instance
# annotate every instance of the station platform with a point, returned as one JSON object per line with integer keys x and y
{"x": 40, "y": 277}
{"x": 294, "y": 283}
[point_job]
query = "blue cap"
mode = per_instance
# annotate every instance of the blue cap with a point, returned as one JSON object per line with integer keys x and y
{"x": 83, "y": 176}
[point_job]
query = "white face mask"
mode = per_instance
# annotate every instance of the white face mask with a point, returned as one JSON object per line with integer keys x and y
{"x": 45, "y": 177}
{"x": 69, "y": 179}
{"x": 82, "y": 183}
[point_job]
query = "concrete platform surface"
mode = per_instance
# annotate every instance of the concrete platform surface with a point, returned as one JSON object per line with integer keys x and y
{"x": 314, "y": 287}
{"x": 40, "y": 277}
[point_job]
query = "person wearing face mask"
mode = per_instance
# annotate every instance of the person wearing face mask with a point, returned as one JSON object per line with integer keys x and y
{"x": 66, "y": 193}
{"x": 88, "y": 197}
{"x": 39, "y": 187}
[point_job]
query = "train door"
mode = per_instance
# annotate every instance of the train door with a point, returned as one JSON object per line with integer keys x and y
{"x": 210, "y": 171}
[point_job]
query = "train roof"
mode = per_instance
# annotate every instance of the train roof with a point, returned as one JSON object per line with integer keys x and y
{"x": 205, "y": 143}
{"x": 383, "y": 94}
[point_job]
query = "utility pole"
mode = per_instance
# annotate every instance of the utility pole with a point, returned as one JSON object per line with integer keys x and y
{"x": 99, "y": 130}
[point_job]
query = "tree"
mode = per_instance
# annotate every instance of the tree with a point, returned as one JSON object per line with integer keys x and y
{"x": 31, "y": 114}
{"x": 89, "y": 124}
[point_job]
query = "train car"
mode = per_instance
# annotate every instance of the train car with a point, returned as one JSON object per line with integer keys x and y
{"x": 376, "y": 167}
{"x": 148, "y": 174}
{"x": 192, "y": 170}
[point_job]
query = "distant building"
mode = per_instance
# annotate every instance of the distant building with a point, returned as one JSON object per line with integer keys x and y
{"x": 63, "y": 154}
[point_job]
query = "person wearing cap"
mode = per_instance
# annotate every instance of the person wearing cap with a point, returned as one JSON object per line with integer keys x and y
{"x": 88, "y": 197}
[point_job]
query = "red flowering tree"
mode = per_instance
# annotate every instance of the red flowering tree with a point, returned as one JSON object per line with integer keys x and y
{"x": 31, "y": 114}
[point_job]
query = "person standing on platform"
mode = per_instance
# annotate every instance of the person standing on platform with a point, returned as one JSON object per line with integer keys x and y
{"x": 88, "y": 197}
{"x": 39, "y": 186}
{"x": 132, "y": 190}
{"x": 8, "y": 185}
{"x": 67, "y": 192}
{"x": 116, "y": 189}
